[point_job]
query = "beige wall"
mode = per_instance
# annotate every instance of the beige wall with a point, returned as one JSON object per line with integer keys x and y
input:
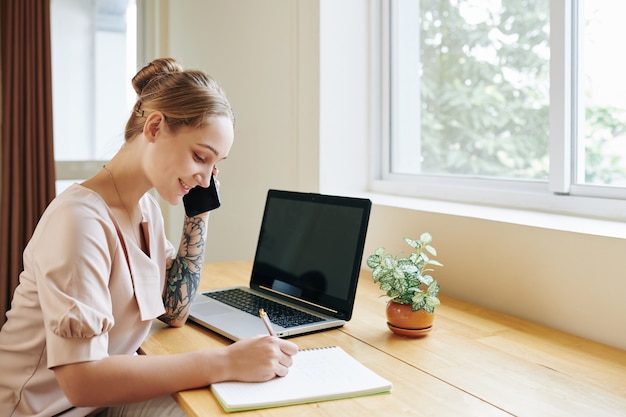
{"x": 301, "y": 95}
{"x": 251, "y": 48}
{"x": 571, "y": 281}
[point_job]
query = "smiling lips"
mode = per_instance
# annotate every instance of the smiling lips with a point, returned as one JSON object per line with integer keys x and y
{"x": 185, "y": 186}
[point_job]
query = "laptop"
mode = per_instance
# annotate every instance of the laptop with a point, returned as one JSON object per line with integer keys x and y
{"x": 305, "y": 269}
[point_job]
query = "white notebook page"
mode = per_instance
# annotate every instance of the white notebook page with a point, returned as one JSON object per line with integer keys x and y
{"x": 316, "y": 375}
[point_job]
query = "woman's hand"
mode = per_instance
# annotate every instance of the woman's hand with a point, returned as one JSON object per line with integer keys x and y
{"x": 259, "y": 358}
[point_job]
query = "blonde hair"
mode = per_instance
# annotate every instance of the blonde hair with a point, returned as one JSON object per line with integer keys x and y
{"x": 185, "y": 97}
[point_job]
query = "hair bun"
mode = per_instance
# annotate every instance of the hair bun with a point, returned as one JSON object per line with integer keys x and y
{"x": 156, "y": 68}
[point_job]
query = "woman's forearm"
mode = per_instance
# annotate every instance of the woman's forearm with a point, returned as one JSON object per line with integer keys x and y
{"x": 184, "y": 274}
{"x": 133, "y": 378}
{"x": 124, "y": 379}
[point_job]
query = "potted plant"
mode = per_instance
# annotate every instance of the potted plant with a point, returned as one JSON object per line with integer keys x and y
{"x": 406, "y": 281}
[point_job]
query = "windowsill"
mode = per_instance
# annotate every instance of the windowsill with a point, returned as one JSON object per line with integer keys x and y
{"x": 562, "y": 222}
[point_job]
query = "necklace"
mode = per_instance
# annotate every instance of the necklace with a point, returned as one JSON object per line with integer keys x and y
{"x": 119, "y": 196}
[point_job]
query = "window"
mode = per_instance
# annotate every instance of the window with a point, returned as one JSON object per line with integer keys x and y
{"x": 601, "y": 97}
{"x": 93, "y": 60}
{"x": 515, "y": 103}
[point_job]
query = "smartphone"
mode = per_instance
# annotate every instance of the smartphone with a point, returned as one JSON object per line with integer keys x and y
{"x": 213, "y": 195}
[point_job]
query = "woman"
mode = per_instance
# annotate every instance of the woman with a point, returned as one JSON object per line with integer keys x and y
{"x": 98, "y": 268}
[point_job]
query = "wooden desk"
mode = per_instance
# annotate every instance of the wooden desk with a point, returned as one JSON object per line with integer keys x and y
{"x": 475, "y": 362}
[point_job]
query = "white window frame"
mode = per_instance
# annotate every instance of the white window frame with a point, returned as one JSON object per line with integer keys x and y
{"x": 558, "y": 195}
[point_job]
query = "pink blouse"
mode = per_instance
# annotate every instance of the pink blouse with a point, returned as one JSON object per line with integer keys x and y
{"x": 86, "y": 293}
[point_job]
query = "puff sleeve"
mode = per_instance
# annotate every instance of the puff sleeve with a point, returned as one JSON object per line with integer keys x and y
{"x": 70, "y": 259}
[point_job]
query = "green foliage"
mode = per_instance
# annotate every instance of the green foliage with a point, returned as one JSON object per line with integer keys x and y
{"x": 405, "y": 280}
{"x": 485, "y": 76}
{"x": 603, "y": 127}
{"x": 485, "y": 92}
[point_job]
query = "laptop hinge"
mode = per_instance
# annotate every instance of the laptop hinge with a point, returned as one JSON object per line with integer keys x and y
{"x": 300, "y": 300}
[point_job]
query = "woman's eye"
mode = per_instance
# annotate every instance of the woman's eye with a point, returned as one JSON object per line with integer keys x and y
{"x": 198, "y": 157}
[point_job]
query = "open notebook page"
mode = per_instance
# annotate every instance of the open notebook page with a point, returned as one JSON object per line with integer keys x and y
{"x": 316, "y": 375}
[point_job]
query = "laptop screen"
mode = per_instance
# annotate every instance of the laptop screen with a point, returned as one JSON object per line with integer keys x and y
{"x": 310, "y": 247}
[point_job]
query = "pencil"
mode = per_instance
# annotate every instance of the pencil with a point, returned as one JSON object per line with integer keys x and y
{"x": 267, "y": 322}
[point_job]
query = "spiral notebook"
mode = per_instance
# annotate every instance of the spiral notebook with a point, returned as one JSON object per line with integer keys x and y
{"x": 321, "y": 374}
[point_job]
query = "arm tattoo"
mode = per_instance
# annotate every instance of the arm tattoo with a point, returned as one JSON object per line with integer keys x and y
{"x": 183, "y": 277}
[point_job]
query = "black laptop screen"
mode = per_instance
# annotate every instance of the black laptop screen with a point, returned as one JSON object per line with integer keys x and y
{"x": 310, "y": 247}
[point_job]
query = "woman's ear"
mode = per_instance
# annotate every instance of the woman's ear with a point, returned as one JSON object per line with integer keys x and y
{"x": 153, "y": 124}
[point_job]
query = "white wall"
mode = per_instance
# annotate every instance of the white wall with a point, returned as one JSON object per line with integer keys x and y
{"x": 301, "y": 94}
{"x": 254, "y": 50}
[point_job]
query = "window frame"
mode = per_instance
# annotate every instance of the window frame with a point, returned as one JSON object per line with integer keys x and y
{"x": 559, "y": 194}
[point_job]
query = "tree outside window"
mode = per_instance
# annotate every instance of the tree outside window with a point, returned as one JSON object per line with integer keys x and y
{"x": 484, "y": 90}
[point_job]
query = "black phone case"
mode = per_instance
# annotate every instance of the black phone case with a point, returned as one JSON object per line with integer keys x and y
{"x": 214, "y": 197}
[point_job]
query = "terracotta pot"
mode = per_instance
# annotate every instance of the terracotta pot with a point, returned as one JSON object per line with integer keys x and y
{"x": 402, "y": 320}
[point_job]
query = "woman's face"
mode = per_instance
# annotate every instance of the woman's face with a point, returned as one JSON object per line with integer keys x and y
{"x": 182, "y": 160}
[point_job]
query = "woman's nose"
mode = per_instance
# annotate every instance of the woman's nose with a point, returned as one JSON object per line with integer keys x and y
{"x": 204, "y": 180}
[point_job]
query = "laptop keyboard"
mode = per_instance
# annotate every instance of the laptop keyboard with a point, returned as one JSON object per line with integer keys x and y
{"x": 280, "y": 314}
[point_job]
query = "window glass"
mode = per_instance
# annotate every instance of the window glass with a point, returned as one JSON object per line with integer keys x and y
{"x": 470, "y": 92}
{"x": 93, "y": 59}
{"x": 602, "y": 94}
{"x": 481, "y": 72}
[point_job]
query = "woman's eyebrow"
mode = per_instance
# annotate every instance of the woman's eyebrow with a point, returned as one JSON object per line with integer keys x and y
{"x": 212, "y": 149}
